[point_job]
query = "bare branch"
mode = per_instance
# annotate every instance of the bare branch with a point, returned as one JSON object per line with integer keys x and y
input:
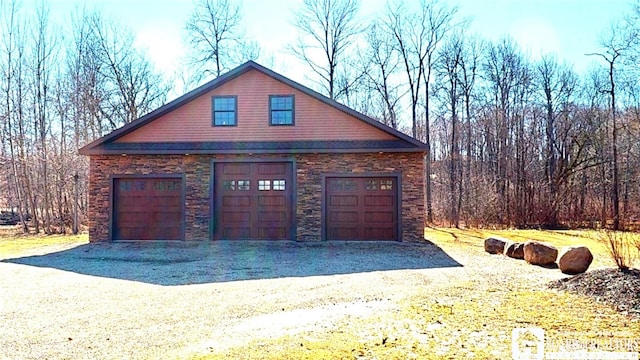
{"x": 328, "y": 28}
{"x": 216, "y": 37}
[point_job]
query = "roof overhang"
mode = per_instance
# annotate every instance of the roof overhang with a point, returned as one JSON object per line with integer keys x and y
{"x": 291, "y": 147}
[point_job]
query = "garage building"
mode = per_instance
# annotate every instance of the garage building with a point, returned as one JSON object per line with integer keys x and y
{"x": 253, "y": 155}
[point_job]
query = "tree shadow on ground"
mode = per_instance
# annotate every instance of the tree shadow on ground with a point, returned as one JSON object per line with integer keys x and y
{"x": 182, "y": 263}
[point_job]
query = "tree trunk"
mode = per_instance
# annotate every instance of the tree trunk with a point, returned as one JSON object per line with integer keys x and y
{"x": 615, "y": 185}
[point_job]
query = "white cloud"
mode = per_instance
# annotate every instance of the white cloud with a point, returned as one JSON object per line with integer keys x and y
{"x": 536, "y": 37}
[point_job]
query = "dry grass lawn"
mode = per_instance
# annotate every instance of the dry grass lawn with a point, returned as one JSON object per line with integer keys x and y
{"x": 12, "y": 244}
{"x": 457, "y": 325}
{"x": 558, "y": 238}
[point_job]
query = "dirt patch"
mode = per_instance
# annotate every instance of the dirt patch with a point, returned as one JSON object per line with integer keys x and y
{"x": 612, "y": 286}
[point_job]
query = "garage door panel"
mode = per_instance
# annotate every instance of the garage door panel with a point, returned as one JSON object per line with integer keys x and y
{"x": 343, "y": 233}
{"x": 141, "y": 207}
{"x": 236, "y": 169}
{"x": 160, "y": 218}
{"x": 361, "y": 208}
{"x": 155, "y": 233}
{"x": 378, "y": 200}
{"x": 148, "y": 209}
{"x": 165, "y": 232}
{"x": 379, "y": 216}
{"x": 128, "y": 219}
{"x": 131, "y": 233}
{"x": 380, "y": 233}
{"x": 265, "y": 200}
{"x": 272, "y": 216}
{"x": 171, "y": 210}
{"x": 235, "y": 233}
{"x": 272, "y": 169}
{"x": 167, "y": 201}
{"x": 133, "y": 201}
{"x": 344, "y": 200}
{"x": 272, "y": 200}
{"x": 343, "y": 216}
{"x": 141, "y": 214}
{"x": 272, "y": 233}
{"x": 236, "y": 216}
{"x": 236, "y": 200}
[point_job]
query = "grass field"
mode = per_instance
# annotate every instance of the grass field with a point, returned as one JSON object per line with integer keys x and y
{"x": 12, "y": 244}
{"x": 475, "y": 238}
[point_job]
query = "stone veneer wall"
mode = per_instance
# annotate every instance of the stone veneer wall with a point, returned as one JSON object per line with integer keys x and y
{"x": 309, "y": 170}
{"x": 196, "y": 171}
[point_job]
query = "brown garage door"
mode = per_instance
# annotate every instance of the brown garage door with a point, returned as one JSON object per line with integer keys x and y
{"x": 361, "y": 208}
{"x": 148, "y": 209}
{"x": 253, "y": 201}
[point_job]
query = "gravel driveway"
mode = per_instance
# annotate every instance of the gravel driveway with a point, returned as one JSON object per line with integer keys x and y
{"x": 172, "y": 300}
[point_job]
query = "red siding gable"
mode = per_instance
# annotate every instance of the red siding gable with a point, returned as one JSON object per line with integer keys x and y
{"x": 314, "y": 120}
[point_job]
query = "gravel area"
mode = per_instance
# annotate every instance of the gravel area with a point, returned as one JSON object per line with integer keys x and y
{"x": 173, "y": 300}
{"x": 612, "y": 286}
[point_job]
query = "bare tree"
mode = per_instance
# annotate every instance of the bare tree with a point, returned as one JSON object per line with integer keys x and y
{"x": 437, "y": 20}
{"x": 41, "y": 61}
{"x": 11, "y": 67}
{"x": 416, "y": 37}
{"x": 55, "y": 90}
{"x": 469, "y": 68}
{"x": 328, "y": 29}
{"x": 506, "y": 73}
{"x": 381, "y": 67}
{"x": 556, "y": 84}
{"x": 87, "y": 84}
{"x": 594, "y": 111}
{"x": 134, "y": 87}
{"x": 216, "y": 37}
{"x": 449, "y": 69}
{"x": 618, "y": 41}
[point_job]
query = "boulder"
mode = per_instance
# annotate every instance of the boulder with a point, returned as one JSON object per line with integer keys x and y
{"x": 514, "y": 250}
{"x": 574, "y": 259}
{"x": 494, "y": 245}
{"x": 539, "y": 253}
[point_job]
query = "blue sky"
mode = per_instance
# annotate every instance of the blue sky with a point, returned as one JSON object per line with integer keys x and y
{"x": 569, "y": 28}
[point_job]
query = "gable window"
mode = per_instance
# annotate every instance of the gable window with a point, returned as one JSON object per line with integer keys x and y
{"x": 224, "y": 110}
{"x": 281, "y": 109}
